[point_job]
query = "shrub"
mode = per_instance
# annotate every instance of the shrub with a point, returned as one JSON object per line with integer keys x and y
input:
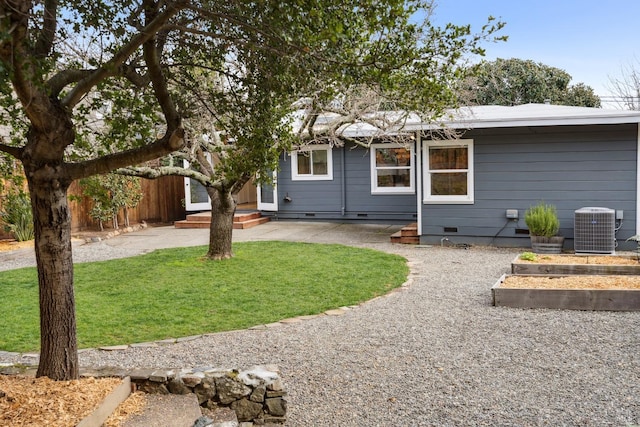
{"x": 542, "y": 220}
{"x": 16, "y": 215}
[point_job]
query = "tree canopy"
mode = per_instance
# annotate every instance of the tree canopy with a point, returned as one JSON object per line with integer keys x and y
{"x": 517, "y": 81}
{"x": 89, "y": 87}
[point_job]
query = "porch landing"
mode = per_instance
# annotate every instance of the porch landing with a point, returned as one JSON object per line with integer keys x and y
{"x": 241, "y": 220}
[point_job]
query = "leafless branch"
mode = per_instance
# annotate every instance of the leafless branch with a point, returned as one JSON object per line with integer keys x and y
{"x": 112, "y": 66}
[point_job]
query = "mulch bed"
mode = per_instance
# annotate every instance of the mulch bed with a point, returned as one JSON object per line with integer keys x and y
{"x": 585, "y": 259}
{"x": 572, "y": 282}
{"x": 29, "y": 401}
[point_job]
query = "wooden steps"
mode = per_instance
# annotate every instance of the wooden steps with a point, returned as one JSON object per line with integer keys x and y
{"x": 408, "y": 235}
{"x": 241, "y": 220}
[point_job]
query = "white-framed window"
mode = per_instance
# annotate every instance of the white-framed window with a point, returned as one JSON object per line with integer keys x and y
{"x": 392, "y": 169}
{"x": 312, "y": 163}
{"x": 448, "y": 171}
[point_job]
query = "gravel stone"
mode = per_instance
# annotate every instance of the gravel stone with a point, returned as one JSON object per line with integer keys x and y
{"x": 436, "y": 354}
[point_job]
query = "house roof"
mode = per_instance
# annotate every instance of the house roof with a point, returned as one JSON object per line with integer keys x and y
{"x": 478, "y": 117}
{"x": 492, "y": 116}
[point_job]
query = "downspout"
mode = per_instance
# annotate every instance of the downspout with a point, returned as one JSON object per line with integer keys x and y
{"x": 419, "y": 180}
{"x": 343, "y": 184}
{"x": 638, "y": 182}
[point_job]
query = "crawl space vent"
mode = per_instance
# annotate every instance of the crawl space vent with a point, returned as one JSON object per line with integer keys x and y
{"x": 594, "y": 230}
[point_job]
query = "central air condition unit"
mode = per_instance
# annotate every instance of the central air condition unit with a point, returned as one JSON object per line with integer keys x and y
{"x": 594, "y": 231}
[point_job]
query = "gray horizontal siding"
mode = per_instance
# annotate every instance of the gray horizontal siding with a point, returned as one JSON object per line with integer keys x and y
{"x": 324, "y": 198}
{"x": 570, "y": 167}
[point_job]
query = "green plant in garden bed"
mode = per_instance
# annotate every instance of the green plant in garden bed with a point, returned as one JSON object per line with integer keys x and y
{"x": 528, "y": 256}
{"x": 174, "y": 292}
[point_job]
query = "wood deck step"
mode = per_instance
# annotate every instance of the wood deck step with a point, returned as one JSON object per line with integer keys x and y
{"x": 241, "y": 225}
{"x": 410, "y": 230}
{"x": 408, "y": 235}
{"x": 191, "y": 224}
{"x": 241, "y": 220}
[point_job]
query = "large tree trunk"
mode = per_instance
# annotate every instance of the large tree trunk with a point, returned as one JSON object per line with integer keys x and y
{"x": 52, "y": 227}
{"x": 223, "y": 207}
{"x": 48, "y": 182}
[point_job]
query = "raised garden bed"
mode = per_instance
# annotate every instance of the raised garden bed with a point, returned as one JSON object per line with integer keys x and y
{"x": 578, "y": 292}
{"x": 577, "y": 264}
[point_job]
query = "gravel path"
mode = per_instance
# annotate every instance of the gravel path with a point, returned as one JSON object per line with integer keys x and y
{"x": 435, "y": 354}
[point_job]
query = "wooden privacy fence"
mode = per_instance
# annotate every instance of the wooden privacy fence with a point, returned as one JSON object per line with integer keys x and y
{"x": 162, "y": 201}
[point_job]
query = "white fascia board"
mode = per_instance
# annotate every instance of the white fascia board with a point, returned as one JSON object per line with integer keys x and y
{"x": 564, "y": 121}
{"x": 528, "y": 115}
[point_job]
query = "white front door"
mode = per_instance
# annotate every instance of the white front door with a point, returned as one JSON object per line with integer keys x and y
{"x": 195, "y": 196}
{"x": 268, "y": 195}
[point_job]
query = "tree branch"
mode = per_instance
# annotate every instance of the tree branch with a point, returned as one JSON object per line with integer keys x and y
{"x": 111, "y": 67}
{"x": 18, "y": 61}
{"x": 167, "y": 144}
{"x": 159, "y": 83}
{"x": 239, "y": 183}
{"x": 60, "y": 80}
{"x": 153, "y": 173}
{"x": 48, "y": 33}
{"x": 13, "y": 151}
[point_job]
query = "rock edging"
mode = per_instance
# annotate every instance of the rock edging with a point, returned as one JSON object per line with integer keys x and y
{"x": 255, "y": 395}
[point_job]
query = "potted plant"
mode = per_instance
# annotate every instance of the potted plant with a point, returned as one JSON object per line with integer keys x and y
{"x": 542, "y": 221}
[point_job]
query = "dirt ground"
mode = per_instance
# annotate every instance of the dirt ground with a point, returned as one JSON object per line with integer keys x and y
{"x": 583, "y": 259}
{"x": 12, "y": 245}
{"x": 577, "y": 281}
{"x": 572, "y": 282}
{"x": 29, "y": 401}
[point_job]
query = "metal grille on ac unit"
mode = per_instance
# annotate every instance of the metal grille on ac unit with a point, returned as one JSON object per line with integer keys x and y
{"x": 594, "y": 230}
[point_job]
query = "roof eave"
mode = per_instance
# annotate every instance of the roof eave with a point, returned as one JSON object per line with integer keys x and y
{"x": 536, "y": 122}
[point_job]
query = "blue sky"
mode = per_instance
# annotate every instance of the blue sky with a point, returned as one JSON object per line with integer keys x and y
{"x": 592, "y": 40}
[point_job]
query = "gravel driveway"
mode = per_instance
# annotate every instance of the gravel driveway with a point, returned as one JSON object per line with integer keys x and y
{"x": 435, "y": 354}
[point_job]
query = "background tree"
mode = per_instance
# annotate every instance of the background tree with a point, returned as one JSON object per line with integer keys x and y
{"x": 626, "y": 88}
{"x": 517, "y": 81}
{"x": 110, "y": 193}
{"x": 85, "y": 90}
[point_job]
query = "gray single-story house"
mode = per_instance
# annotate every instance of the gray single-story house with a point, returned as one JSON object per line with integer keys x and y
{"x": 468, "y": 189}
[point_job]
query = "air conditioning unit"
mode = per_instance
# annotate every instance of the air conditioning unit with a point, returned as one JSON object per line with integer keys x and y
{"x": 594, "y": 231}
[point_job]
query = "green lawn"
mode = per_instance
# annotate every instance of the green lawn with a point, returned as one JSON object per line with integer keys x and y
{"x": 175, "y": 292}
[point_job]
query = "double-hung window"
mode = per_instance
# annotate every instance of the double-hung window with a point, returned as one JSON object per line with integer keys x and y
{"x": 448, "y": 176}
{"x": 392, "y": 169}
{"x": 312, "y": 163}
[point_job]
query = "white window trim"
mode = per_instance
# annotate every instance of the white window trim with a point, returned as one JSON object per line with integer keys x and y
{"x": 295, "y": 176}
{"x": 427, "y": 197}
{"x": 374, "y": 171}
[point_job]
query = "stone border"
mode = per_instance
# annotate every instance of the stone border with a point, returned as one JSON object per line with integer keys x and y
{"x": 113, "y": 233}
{"x": 255, "y": 395}
{"x": 32, "y": 358}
